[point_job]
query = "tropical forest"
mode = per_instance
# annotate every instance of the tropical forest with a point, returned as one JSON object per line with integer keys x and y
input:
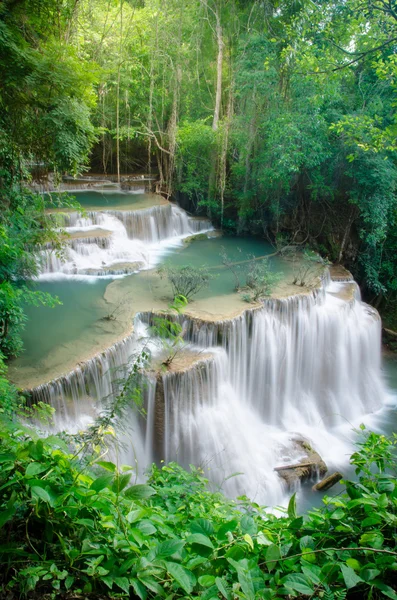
{"x": 198, "y": 299}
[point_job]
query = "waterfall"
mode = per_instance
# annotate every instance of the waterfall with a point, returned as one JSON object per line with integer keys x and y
{"x": 117, "y": 242}
{"x": 307, "y": 365}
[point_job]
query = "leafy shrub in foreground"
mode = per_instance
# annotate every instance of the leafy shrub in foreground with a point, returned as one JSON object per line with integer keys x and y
{"x": 68, "y": 529}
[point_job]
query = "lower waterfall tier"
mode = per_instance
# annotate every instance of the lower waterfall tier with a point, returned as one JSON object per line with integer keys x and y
{"x": 304, "y": 365}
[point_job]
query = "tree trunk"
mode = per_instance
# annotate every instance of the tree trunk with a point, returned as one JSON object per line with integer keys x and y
{"x": 224, "y": 148}
{"x": 219, "y": 63}
{"x": 118, "y": 97}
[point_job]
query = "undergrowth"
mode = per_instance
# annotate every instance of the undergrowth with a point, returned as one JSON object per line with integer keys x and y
{"x": 74, "y": 529}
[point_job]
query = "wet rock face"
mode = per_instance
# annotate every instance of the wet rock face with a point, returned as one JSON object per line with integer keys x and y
{"x": 311, "y": 465}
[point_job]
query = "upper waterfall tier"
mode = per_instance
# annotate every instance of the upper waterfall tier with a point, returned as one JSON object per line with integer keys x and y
{"x": 116, "y": 242}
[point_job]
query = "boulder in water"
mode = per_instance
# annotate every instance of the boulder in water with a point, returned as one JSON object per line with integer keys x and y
{"x": 309, "y": 466}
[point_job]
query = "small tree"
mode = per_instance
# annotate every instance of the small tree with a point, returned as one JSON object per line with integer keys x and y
{"x": 260, "y": 280}
{"x": 186, "y": 281}
{"x": 308, "y": 269}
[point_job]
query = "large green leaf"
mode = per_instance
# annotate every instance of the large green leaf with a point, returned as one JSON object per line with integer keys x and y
{"x": 101, "y": 483}
{"x": 244, "y": 576}
{"x": 248, "y": 525}
{"x": 120, "y": 482}
{"x": 350, "y": 577}
{"x": 203, "y": 526}
{"x": 184, "y": 578}
{"x": 109, "y": 466}
{"x": 139, "y": 491}
{"x": 273, "y": 554}
{"x": 292, "y": 507}
{"x": 35, "y": 468}
{"x": 168, "y": 548}
{"x": 223, "y": 588}
{"x": 386, "y": 590}
{"x": 199, "y": 538}
{"x": 225, "y": 528}
{"x": 299, "y": 583}
{"x": 41, "y": 493}
{"x": 374, "y": 539}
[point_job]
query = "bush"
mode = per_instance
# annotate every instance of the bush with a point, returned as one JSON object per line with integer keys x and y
{"x": 69, "y": 527}
{"x": 260, "y": 280}
{"x": 186, "y": 281}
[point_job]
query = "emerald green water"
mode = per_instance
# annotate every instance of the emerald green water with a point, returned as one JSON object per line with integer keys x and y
{"x": 207, "y": 252}
{"x": 48, "y": 328}
{"x": 106, "y": 198}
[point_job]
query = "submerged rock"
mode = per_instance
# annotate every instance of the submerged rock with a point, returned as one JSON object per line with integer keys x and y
{"x": 311, "y": 465}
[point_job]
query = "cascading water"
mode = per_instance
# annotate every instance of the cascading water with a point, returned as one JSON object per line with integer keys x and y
{"x": 116, "y": 242}
{"x": 296, "y": 366}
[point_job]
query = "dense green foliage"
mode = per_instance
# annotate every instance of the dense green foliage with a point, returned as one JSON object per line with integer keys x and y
{"x": 84, "y": 526}
{"x": 45, "y": 101}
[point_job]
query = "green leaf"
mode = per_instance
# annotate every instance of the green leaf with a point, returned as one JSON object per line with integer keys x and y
{"x": 136, "y": 515}
{"x": 199, "y": 538}
{"x": 35, "y": 468}
{"x": 313, "y": 573}
{"x": 292, "y": 507}
{"x": 108, "y": 580}
{"x": 6, "y": 515}
{"x": 139, "y": 492}
{"x": 248, "y": 525}
{"x": 203, "y": 526}
{"x": 41, "y": 493}
{"x": 109, "y": 466}
{"x": 168, "y": 548}
{"x": 296, "y": 523}
{"x": 7, "y": 458}
{"x": 373, "y": 539}
{"x": 273, "y": 554}
{"x": 206, "y": 580}
{"x": 146, "y": 527}
{"x": 386, "y": 590}
{"x": 210, "y": 593}
{"x": 308, "y": 555}
{"x": 185, "y": 579}
{"x": 223, "y": 588}
{"x": 353, "y": 564}
{"x": 249, "y": 541}
{"x": 386, "y": 484}
{"x": 139, "y": 588}
{"x": 299, "y": 583}
{"x": 350, "y": 577}
{"x": 369, "y": 574}
{"x": 101, "y": 483}
{"x": 120, "y": 482}
{"x": 55, "y": 442}
{"x": 69, "y": 582}
{"x": 150, "y": 582}
{"x": 123, "y": 583}
{"x": 244, "y": 577}
{"x": 225, "y": 528}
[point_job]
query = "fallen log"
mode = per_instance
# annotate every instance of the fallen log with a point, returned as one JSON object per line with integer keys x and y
{"x": 327, "y": 482}
{"x": 297, "y": 466}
